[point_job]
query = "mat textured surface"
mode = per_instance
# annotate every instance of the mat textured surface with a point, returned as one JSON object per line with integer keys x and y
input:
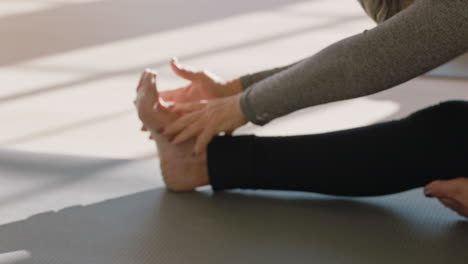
{"x": 67, "y": 210}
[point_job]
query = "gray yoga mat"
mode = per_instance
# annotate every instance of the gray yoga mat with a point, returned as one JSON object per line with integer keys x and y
{"x": 131, "y": 218}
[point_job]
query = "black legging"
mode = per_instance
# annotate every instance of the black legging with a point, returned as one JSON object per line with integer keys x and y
{"x": 379, "y": 159}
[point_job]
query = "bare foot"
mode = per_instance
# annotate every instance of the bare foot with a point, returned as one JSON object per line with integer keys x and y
{"x": 181, "y": 171}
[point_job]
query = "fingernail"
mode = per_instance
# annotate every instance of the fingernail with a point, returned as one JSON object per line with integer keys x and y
{"x": 428, "y": 193}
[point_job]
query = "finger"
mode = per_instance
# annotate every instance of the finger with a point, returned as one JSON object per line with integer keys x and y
{"x": 187, "y": 107}
{"x": 150, "y": 136}
{"x": 203, "y": 139}
{"x": 143, "y": 128}
{"x": 190, "y": 132}
{"x": 450, "y": 203}
{"x": 172, "y": 95}
{"x": 180, "y": 95}
{"x": 455, "y": 206}
{"x": 182, "y": 71}
{"x": 179, "y": 125}
{"x": 442, "y": 189}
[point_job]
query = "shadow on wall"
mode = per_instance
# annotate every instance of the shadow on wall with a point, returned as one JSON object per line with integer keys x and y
{"x": 158, "y": 226}
{"x": 73, "y": 26}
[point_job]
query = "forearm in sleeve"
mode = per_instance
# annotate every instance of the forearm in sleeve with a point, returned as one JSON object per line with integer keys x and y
{"x": 418, "y": 39}
{"x": 249, "y": 79}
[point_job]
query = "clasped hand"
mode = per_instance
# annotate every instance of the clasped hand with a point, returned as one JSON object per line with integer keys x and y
{"x": 207, "y": 107}
{"x": 204, "y": 120}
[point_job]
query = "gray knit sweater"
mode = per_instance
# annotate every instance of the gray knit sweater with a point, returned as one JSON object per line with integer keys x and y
{"x": 427, "y": 34}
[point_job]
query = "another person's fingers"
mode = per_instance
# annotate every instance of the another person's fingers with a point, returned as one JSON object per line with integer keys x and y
{"x": 179, "y": 124}
{"x": 188, "y": 133}
{"x": 203, "y": 139}
{"x": 456, "y": 206}
{"x": 452, "y": 193}
{"x": 187, "y": 107}
{"x": 182, "y": 71}
{"x": 442, "y": 189}
{"x": 450, "y": 203}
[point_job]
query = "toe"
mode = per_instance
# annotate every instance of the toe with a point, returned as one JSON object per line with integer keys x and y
{"x": 147, "y": 95}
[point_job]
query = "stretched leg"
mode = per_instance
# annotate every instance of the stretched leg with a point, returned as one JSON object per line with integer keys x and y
{"x": 374, "y": 160}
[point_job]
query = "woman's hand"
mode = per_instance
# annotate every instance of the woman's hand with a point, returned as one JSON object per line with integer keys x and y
{"x": 203, "y": 86}
{"x": 452, "y": 193}
{"x": 204, "y": 120}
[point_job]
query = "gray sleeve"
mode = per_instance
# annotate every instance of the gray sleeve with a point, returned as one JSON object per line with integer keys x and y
{"x": 416, "y": 40}
{"x": 249, "y": 79}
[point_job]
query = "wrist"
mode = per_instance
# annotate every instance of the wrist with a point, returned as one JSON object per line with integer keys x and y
{"x": 233, "y": 87}
{"x": 238, "y": 108}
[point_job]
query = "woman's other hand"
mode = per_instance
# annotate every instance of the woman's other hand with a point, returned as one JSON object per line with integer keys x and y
{"x": 203, "y": 86}
{"x": 452, "y": 193}
{"x": 204, "y": 120}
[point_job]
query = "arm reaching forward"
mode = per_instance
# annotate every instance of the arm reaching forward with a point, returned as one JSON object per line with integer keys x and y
{"x": 416, "y": 40}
